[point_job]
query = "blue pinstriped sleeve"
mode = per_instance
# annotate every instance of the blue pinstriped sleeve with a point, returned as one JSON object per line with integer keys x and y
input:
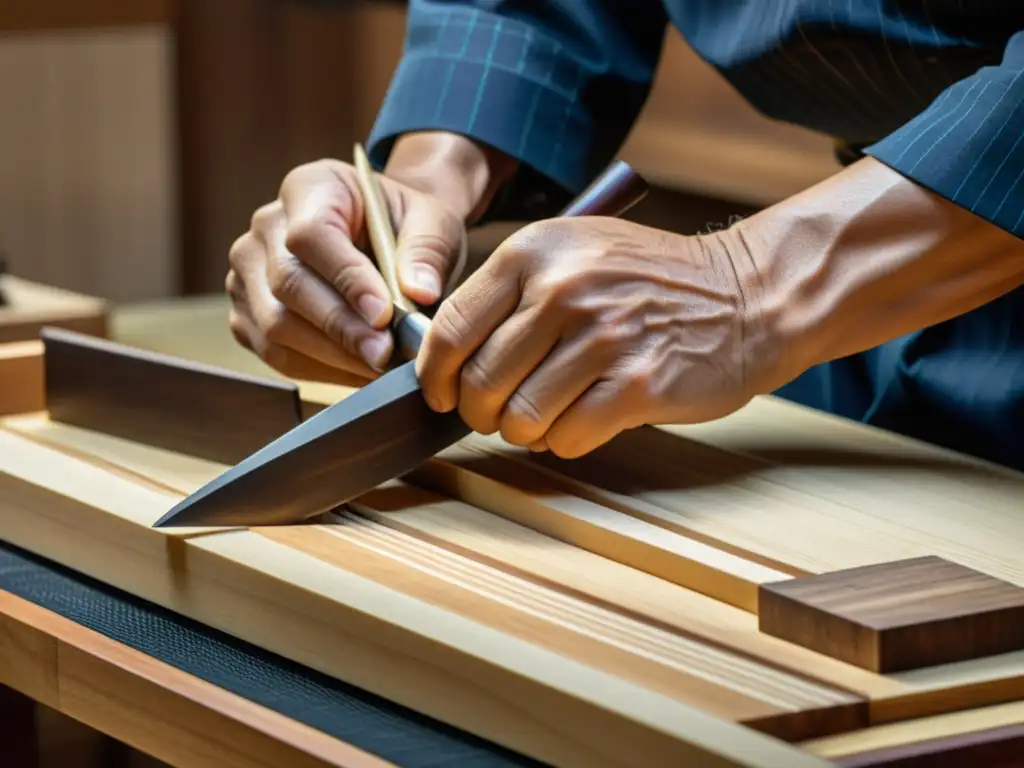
{"x": 556, "y": 84}
{"x": 968, "y": 146}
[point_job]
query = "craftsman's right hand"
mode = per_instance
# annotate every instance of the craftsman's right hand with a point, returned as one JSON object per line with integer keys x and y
{"x": 305, "y": 296}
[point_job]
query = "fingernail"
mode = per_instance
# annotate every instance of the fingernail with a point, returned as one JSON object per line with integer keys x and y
{"x": 426, "y": 280}
{"x": 371, "y": 307}
{"x": 376, "y": 350}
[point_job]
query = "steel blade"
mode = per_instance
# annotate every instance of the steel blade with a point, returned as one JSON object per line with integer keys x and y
{"x": 378, "y": 433}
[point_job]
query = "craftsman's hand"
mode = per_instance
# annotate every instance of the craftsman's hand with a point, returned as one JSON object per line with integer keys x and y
{"x": 578, "y": 328}
{"x": 305, "y": 296}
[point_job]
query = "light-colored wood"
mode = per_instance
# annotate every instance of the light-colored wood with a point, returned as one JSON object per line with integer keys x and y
{"x": 915, "y": 731}
{"x": 496, "y": 685}
{"x": 518, "y": 549}
{"x": 705, "y": 671}
{"x": 543, "y": 503}
{"x": 149, "y": 705}
{"x": 32, "y": 305}
{"x": 21, "y": 377}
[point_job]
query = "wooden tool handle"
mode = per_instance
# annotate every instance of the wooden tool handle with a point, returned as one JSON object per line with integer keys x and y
{"x": 612, "y": 193}
{"x": 381, "y": 231}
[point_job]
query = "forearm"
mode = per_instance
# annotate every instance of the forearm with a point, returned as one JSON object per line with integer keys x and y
{"x": 863, "y": 258}
{"x": 464, "y": 174}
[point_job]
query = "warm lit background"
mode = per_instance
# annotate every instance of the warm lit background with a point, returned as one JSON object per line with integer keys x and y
{"x": 137, "y": 136}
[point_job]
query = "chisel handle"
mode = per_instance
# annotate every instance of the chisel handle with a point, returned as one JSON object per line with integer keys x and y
{"x": 612, "y": 193}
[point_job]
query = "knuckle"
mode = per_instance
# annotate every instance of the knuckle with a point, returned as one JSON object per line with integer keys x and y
{"x": 523, "y": 421}
{"x": 349, "y": 279}
{"x": 241, "y": 251}
{"x": 238, "y": 329}
{"x": 429, "y": 248}
{"x": 335, "y": 326}
{"x": 304, "y": 235}
{"x": 475, "y": 378}
{"x": 265, "y": 216}
{"x": 450, "y": 328}
{"x": 275, "y": 325}
{"x": 286, "y": 281}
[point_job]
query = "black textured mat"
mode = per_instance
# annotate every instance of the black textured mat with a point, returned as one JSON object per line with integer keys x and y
{"x": 368, "y": 722}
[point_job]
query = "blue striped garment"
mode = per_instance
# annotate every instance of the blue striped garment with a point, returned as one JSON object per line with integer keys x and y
{"x": 932, "y": 88}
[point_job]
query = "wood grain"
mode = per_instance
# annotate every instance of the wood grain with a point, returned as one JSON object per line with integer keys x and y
{"x": 31, "y": 306}
{"x": 154, "y": 707}
{"x": 21, "y": 377}
{"x": 718, "y": 681}
{"x": 459, "y": 670}
{"x": 892, "y": 617}
{"x": 163, "y": 401}
{"x": 930, "y": 740}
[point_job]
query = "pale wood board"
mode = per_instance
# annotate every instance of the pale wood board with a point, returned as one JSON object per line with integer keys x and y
{"x": 915, "y": 731}
{"x": 464, "y": 529}
{"x": 32, "y": 305}
{"x": 344, "y": 624}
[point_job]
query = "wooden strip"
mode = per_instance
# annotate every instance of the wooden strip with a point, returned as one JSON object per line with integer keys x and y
{"x": 494, "y": 539}
{"x": 533, "y": 499}
{"x": 806, "y": 519}
{"x": 998, "y": 747}
{"x": 718, "y": 681}
{"x": 21, "y": 377}
{"x": 156, "y": 708}
{"x": 163, "y": 401}
{"x": 434, "y": 661}
{"x": 891, "y": 617}
{"x": 921, "y": 733}
{"x": 491, "y": 539}
{"x": 31, "y": 306}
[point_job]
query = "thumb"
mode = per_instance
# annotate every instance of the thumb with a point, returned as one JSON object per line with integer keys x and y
{"x": 431, "y": 250}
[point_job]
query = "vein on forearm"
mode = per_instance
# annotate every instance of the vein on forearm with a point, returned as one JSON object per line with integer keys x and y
{"x": 867, "y": 256}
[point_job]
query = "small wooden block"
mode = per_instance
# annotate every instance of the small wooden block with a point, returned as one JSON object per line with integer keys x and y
{"x": 897, "y": 616}
{"x": 163, "y": 401}
{"x": 27, "y": 307}
{"x": 21, "y": 377}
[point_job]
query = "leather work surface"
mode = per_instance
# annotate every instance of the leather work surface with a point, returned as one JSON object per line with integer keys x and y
{"x": 368, "y": 722}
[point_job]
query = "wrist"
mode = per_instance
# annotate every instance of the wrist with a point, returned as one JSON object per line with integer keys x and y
{"x": 462, "y": 173}
{"x": 860, "y": 259}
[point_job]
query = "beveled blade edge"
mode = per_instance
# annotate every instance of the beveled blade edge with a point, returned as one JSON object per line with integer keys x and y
{"x": 367, "y": 401}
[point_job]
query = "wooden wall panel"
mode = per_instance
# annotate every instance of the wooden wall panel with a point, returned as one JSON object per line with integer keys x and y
{"x": 87, "y": 177}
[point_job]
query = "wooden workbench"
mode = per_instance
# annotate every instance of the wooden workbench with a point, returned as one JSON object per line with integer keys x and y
{"x": 183, "y": 713}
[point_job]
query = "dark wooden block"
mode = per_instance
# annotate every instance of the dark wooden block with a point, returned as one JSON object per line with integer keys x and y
{"x": 897, "y": 616}
{"x": 161, "y": 400}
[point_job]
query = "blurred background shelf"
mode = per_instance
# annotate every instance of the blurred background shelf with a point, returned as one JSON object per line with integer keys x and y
{"x": 140, "y": 135}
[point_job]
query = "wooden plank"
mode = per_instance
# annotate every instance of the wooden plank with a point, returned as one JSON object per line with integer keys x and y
{"x": 48, "y": 15}
{"x": 970, "y": 737}
{"x": 152, "y": 706}
{"x": 529, "y": 698}
{"x": 31, "y": 306}
{"x": 891, "y": 617}
{"x": 488, "y": 538}
{"x": 161, "y": 400}
{"x": 21, "y": 377}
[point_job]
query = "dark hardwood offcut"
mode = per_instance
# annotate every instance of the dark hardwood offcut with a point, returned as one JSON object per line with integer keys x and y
{"x": 161, "y": 400}
{"x": 897, "y": 616}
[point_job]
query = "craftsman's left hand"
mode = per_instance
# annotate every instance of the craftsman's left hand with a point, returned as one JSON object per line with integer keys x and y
{"x": 576, "y": 329}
